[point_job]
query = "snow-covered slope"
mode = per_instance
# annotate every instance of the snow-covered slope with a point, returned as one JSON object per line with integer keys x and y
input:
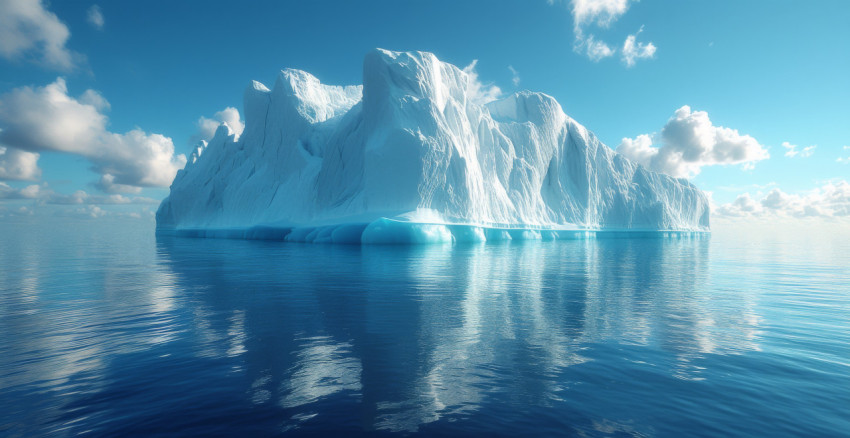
{"x": 410, "y": 152}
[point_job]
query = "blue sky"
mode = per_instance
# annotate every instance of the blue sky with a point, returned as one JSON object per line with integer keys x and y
{"x": 774, "y": 71}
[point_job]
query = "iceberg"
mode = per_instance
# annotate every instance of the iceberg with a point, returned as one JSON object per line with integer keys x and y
{"x": 412, "y": 156}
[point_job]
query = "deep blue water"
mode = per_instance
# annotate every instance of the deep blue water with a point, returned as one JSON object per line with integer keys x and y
{"x": 106, "y": 330}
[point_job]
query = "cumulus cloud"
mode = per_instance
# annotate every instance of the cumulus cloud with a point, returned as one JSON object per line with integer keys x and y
{"x": 28, "y": 192}
{"x": 95, "y": 17}
{"x": 831, "y": 200}
{"x": 29, "y": 31}
{"x": 208, "y": 126}
{"x": 18, "y": 165}
{"x": 634, "y": 50}
{"x": 479, "y": 92}
{"x": 46, "y": 118}
{"x": 514, "y": 76}
{"x": 690, "y": 141}
{"x": 792, "y": 151}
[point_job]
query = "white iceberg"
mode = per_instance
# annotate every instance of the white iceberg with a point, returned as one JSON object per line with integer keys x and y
{"x": 410, "y": 157}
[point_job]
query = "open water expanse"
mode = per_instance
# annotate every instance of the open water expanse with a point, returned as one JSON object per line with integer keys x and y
{"x": 106, "y": 330}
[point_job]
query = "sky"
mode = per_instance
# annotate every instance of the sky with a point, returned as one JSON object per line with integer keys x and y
{"x": 101, "y": 102}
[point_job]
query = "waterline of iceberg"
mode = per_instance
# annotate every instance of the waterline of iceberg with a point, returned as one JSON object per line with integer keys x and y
{"x": 386, "y": 231}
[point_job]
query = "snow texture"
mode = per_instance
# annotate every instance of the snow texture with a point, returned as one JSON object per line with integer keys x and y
{"x": 410, "y": 157}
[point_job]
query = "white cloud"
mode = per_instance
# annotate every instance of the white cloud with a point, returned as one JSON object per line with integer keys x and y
{"x": 599, "y": 12}
{"x": 18, "y": 165}
{"x": 602, "y": 14}
{"x": 95, "y": 17}
{"x": 844, "y": 160}
{"x": 208, "y": 126}
{"x": 28, "y": 30}
{"x": 514, "y": 76}
{"x": 48, "y": 119}
{"x": 690, "y": 141}
{"x": 792, "y": 150}
{"x": 831, "y": 200}
{"x": 634, "y": 50}
{"x": 28, "y": 192}
{"x": 95, "y": 99}
{"x": 596, "y": 50}
{"x": 479, "y": 92}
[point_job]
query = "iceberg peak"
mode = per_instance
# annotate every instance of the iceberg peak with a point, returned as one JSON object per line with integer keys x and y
{"x": 313, "y": 101}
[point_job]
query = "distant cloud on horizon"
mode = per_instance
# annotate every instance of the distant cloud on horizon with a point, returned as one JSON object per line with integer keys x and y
{"x": 43, "y": 194}
{"x": 830, "y": 201}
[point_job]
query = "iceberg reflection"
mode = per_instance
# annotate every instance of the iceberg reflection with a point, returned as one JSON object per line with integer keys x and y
{"x": 415, "y": 334}
{"x": 322, "y": 368}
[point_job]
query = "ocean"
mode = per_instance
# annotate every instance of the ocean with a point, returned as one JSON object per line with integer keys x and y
{"x": 109, "y": 330}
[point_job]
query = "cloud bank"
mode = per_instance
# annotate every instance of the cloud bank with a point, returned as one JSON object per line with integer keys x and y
{"x": 688, "y": 142}
{"x": 35, "y": 120}
{"x": 832, "y": 200}
{"x": 43, "y": 194}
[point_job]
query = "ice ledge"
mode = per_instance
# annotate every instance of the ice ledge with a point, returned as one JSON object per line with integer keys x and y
{"x": 385, "y": 231}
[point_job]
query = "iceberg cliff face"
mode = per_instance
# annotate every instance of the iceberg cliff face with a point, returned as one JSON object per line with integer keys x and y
{"x": 411, "y": 146}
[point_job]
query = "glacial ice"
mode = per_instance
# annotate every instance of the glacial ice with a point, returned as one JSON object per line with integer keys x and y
{"x": 411, "y": 157}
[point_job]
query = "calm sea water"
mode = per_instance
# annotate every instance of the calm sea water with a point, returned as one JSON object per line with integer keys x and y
{"x": 106, "y": 330}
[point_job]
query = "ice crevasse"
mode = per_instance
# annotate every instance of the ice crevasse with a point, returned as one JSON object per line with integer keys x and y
{"x": 411, "y": 156}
